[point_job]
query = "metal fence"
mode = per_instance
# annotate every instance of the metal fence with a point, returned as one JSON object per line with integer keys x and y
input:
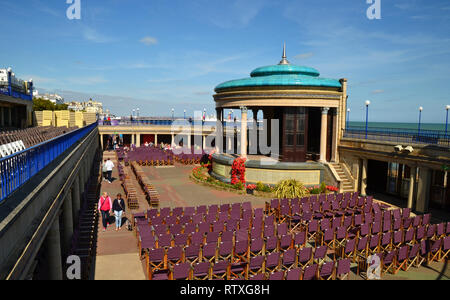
{"x": 18, "y": 168}
{"x": 411, "y": 136}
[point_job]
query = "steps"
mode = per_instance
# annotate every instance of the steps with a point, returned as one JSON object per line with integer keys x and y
{"x": 347, "y": 183}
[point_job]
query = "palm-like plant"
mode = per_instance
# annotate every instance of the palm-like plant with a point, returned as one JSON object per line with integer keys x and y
{"x": 290, "y": 188}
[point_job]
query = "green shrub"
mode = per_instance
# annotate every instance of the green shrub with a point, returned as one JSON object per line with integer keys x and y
{"x": 290, "y": 188}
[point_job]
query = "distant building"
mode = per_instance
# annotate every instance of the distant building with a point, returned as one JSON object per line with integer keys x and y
{"x": 90, "y": 106}
{"x": 54, "y": 98}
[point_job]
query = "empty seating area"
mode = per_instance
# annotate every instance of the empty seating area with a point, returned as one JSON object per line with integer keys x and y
{"x": 316, "y": 237}
{"x": 33, "y": 136}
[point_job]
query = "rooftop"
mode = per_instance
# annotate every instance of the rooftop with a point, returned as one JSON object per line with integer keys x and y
{"x": 283, "y": 74}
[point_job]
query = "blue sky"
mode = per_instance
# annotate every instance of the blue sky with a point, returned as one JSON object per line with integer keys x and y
{"x": 159, "y": 54}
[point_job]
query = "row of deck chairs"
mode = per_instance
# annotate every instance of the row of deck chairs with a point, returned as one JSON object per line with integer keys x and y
{"x": 33, "y": 136}
{"x": 149, "y": 189}
{"x": 146, "y": 156}
{"x": 83, "y": 243}
{"x": 189, "y": 157}
{"x": 128, "y": 187}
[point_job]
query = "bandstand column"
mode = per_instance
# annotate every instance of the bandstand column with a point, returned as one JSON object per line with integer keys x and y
{"x": 244, "y": 111}
{"x": 323, "y": 134}
{"x": 255, "y": 124}
{"x": 132, "y": 140}
{"x": 412, "y": 182}
{"x": 138, "y": 140}
{"x": 364, "y": 176}
{"x": 156, "y": 139}
{"x": 334, "y": 152}
{"x": 219, "y": 130}
{"x": 423, "y": 190}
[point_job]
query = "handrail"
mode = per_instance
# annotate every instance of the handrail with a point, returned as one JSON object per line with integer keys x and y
{"x": 401, "y": 135}
{"x": 18, "y": 168}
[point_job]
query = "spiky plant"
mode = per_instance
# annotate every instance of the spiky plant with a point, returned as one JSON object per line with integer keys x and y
{"x": 290, "y": 188}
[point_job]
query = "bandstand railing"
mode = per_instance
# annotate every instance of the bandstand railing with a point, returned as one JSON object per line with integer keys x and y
{"x": 412, "y": 136}
{"x": 18, "y": 168}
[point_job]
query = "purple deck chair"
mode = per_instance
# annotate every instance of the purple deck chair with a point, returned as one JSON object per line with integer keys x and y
{"x": 402, "y": 259}
{"x": 258, "y": 277}
{"x": 192, "y": 253}
{"x": 276, "y": 275}
{"x": 181, "y": 239}
{"x": 246, "y": 206}
{"x": 397, "y": 239}
{"x": 282, "y": 229}
{"x": 389, "y": 262}
{"x": 273, "y": 262}
{"x": 204, "y": 227}
{"x": 386, "y": 241}
{"x": 435, "y": 250}
{"x": 293, "y": 274}
{"x": 220, "y": 270}
{"x": 289, "y": 259}
{"x": 181, "y": 271}
{"x": 409, "y": 235}
{"x": 269, "y": 231}
{"x": 241, "y": 235}
{"x": 212, "y": 237}
{"x": 218, "y": 226}
{"x": 209, "y": 252}
{"x": 426, "y": 219}
{"x": 190, "y": 228}
{"x": 300, "y": 239}
{"x": 224, "y": 208}
{"x": 285, "y": 242}
{"x": 257, "y": 247}
{"x": 343, "y": 269}
{"x": 256, "y": 232}
{"x": 305, "y": 257}
{"x": 189, "y": 211}
{"x": 231, "y": 225}
{"x": 327, "y": 271}
{"x": 155, "y": 260}
{"x": 202, "y": 271}
{"x": 310, "y": 272}
{"x": 406, "y": 213}
{"x": 320, "y": 253}
{"x": 227, "y": 236}
{"x": 164, "y": 241}
{"x": 202, "y": 209}
{"x": 225, "y": 251}
{"x": 255, "y": 265}
{"x": 197, "y": 238}
{"x": 271, "y": 244}
{"x": 177, "y": 211}
{"x": 197, "y": 218}
{"x": 241, "y": 250}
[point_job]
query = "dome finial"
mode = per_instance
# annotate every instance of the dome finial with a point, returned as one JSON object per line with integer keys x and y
{"x": 284, "y": 60}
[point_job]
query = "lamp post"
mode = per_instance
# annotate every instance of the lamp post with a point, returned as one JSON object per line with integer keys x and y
{"x": 348, "y": 116}
{"x": 172, "y": 113}
{"x": 446, "y": 119}
{"x": 184, "y": 114}
{"x": 367, "y": 117}
{"x": 420, "y": 118}
{"x": 137, "y": 112}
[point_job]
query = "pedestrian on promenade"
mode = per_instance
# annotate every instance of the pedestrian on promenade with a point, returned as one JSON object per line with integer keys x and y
{"x": 105, "y": 206}
{"x": 119, "y": 210}
{"x": 104, "y": 170}
{"x": 109, "y": 167}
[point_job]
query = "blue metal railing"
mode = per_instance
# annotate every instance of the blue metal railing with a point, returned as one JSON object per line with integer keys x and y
{"x": 413, "y": 136}
{"x": 18, "y": 168}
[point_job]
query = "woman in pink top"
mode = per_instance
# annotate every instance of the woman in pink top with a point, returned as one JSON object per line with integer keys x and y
{"x": 105, "y": 206}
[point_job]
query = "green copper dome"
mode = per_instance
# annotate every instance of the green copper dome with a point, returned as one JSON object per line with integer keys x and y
{"x": 283, "y": 74}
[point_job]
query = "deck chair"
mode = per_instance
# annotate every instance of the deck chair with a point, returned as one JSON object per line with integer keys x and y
{"x": 402, "y": 259}
{"x": 156, "y": 260}
{"x": 300, "y": 239}
{"x": 289, "y": 260}
{"x": 181, "y": 271}
{"x": 305, "y": 257}
{"x": 445, "y": 248}
{"x": 320, "y": 254}
{"x": 278, "y": 275}
{"x": 221, "y": 270}
{"x": 327, "y": 271}
{"x": 192, "y": 253}
{"x": 273, "y": 261}
{"x": 310, "y": 272}
{"x": 225, "y": 251}
{"x": 388, "y": 262}
{"x": 293, "y": 274}
{"x": 271, "y": 245}
{"x": 209, "y": 252}
{"x": 435, "y": 250}
{"x": 201, "y": 271}
{"x": 241, "y": 252}
{"x": 255, "y": 266}
{"x": 342, "y": 269}
{"x": 175, "y": 255}
{"x": 256, "y": 247}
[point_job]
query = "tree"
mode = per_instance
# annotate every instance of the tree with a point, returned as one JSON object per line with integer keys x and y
{"x": 40, "y": 104}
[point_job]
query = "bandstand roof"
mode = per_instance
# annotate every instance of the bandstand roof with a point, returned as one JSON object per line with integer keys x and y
{"x": 283, "y": 74}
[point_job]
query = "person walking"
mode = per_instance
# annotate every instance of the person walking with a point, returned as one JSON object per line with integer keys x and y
{"x": 104, "y": 170}
{"x": 109, "y": 167}
{"x": 119, "y": 210}
{"x": 105, "y": 206}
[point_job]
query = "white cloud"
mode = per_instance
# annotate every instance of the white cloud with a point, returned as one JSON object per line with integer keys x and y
{"x": 148, "y": 40}
{"x": 304, "y": 55}
{"x": 92, "y": 35}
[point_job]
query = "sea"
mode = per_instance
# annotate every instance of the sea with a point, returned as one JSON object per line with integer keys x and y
{"x": 392, "y": 125}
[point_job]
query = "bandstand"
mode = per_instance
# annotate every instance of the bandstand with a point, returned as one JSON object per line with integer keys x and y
{"x": 303, "y": 120}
